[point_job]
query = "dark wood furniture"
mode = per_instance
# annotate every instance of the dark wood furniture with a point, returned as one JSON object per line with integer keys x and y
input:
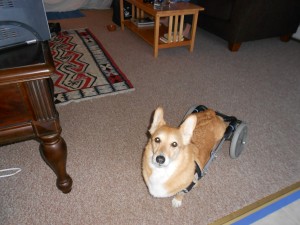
{"x": 27, "y": 110}
{"x": 243, "y": 20}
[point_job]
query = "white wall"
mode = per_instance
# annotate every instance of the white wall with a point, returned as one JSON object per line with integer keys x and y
{"x": 98, "y": 4}
{"x": 69, "y": 5}
{"x": 297, "y": 34}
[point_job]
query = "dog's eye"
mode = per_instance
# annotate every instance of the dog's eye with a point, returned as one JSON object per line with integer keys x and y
{"x": 157, "y": 139}
{"x": 174, "y": 144}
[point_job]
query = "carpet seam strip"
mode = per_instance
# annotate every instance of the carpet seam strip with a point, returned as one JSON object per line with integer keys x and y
{"x": 291, "y": 192}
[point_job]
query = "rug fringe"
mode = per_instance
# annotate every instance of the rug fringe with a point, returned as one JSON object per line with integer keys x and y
{"x": 94, "y": 97}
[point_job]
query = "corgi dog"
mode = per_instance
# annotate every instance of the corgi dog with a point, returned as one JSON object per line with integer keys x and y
{"x": 172, "y": 154}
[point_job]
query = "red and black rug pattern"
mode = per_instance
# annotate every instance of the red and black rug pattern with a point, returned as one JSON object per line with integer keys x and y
{"x": 84, "y": 69}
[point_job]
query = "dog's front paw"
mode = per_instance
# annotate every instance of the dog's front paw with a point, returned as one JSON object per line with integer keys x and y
{"x": 176, "y": 203}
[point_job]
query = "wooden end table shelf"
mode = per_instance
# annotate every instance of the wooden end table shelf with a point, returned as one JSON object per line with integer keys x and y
{"x": 27, "y": 110}
{"x": 175, "y": 13}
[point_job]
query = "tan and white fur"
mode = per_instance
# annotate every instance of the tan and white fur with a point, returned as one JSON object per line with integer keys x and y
{"x": 170, "y": 155}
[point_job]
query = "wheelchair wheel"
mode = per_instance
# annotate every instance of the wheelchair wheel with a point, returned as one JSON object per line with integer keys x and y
{"x": 189, "y": 111}
{"x": 238, "y": 140}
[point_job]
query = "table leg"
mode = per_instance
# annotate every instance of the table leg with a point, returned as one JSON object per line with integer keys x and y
{"x": 54, "y": 151}
{"x": 47, "y": 130}
{"x": 193, "y": 32}
{"x": 156, "y": 35}
{"x": 122, "y": 14}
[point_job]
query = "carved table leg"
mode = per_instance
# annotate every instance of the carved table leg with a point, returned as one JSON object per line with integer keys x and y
{"x": 54, "y": 151}
{"x": 47, "y": 130}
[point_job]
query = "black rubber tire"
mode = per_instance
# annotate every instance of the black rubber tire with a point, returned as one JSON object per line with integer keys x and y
{"x": 238, "y": 140}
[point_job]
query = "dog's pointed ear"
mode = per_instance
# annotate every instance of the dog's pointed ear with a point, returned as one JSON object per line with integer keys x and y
{"x": 187, "y": 128}
{"x": 158, "y": 120}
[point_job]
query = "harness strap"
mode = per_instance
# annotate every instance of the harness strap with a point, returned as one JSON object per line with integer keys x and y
{"x": 232, "y": 126}
{"x": 198, "y": 175}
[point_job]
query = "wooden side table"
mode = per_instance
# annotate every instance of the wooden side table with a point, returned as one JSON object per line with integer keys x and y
{"x": 176, "y": 13}
{"x": 27, "y": 110}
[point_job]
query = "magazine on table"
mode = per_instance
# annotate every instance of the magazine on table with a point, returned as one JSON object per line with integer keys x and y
{"x": 143, "y": 22}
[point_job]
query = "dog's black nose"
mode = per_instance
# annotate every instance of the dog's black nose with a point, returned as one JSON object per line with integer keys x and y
{"x": 160, "y": 159}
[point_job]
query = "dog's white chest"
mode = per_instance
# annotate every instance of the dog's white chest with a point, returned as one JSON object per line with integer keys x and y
{"x": 157, "y": 180}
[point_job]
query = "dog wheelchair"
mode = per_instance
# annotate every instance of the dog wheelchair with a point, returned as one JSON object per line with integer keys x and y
{"x": 236, "y": 132}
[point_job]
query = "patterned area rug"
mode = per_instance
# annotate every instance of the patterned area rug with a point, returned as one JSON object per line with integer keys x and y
{"x": 84, "y": 69}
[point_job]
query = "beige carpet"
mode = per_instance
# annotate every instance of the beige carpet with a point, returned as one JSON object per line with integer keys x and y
{"x": 260, "y": 84}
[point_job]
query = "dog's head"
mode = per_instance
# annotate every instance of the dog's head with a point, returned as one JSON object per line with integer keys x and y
{"x": 168, "y": 142}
